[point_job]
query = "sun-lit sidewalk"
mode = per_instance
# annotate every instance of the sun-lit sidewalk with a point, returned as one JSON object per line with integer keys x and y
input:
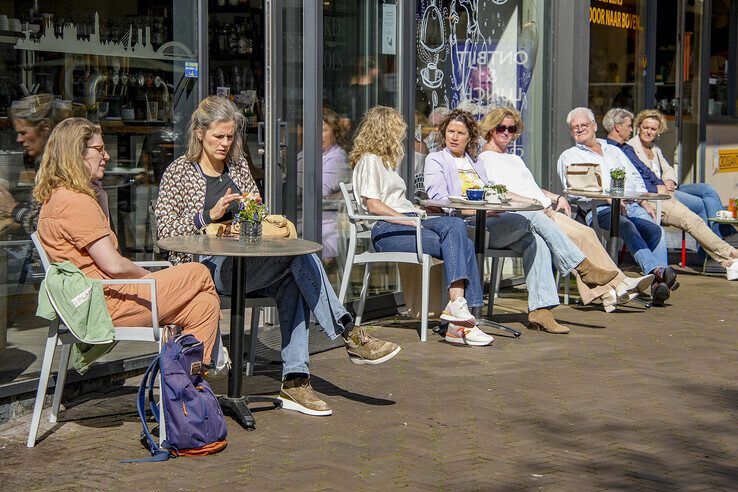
{"x": 629, "y": 400}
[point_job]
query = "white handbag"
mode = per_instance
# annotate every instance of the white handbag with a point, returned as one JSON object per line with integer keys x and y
{"x": 584, "y": 177}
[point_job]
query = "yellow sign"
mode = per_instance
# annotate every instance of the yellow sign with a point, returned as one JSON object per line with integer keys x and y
{"x": 613, "y": 18}
{"x": 727, "y": 160}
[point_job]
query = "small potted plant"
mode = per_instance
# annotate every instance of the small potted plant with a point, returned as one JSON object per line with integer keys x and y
{"x": 251, "y": 213}
{"x": 496, "y": 192}
{"x": 617, "y": 183}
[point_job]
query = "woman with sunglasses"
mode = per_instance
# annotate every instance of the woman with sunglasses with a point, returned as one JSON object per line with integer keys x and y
{"x": 454, "y": 169}
{"x": 501, "y": 127}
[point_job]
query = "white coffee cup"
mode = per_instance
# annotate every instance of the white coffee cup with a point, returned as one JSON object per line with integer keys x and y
{"x": 724, "y": 214}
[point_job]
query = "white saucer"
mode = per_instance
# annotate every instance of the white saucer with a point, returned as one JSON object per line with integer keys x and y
{"x": 461, "y": 199}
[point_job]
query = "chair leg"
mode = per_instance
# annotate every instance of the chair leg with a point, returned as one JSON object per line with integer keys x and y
{"x": 424, "y": 299}
{"x": 567, "y": 288}
{"x": 61, "y": 379}
{"x": 255, "y": 316}
{"x": 494, "y": 284}
{"x": 346, "y": 279}
{"x": 364, "y": 293}
{"x": 43, "y": 382}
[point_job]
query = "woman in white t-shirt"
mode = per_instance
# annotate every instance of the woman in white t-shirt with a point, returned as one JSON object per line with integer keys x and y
{"x": 379, "y": 190}
{"x": 500, "y": 128}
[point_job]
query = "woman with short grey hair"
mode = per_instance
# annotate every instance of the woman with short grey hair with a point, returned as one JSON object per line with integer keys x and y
{"x": 616, "y": 116}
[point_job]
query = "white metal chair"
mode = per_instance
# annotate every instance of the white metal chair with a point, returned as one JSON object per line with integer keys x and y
{"x": 360, "y": 230}
{"x": 59, "y": 334}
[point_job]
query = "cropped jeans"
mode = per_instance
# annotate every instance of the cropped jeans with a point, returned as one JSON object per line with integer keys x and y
{"x": 643, "y": 237}
{"x": 442, "y": 237}
{"x": 515, "y": 231}
{"x": 298, "y": 285}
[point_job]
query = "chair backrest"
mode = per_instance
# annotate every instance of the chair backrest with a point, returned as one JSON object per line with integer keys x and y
{"x": 41, "y": 251}
{"x": 352, "y": 209}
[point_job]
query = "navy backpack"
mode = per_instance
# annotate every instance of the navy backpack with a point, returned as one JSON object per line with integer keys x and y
{"x": 193, "y": 419}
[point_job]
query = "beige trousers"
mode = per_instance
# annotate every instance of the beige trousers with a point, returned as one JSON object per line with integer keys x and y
{"x": 185, "y": 296}
{"x": 586, "y": 240}
{"x": 674, "y": 213}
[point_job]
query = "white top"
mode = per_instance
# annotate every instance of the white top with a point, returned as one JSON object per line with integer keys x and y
{"x": 371, "y": 179}
{"x": 612, "y": 158}
{"x": 655, "y": 166}
{"x": 511, "y": 171}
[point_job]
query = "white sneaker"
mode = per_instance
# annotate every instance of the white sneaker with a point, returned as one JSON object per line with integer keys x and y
{"x": 633, "y": 285}
{"x": 458, "y": 313}
{"x": 731, "y": 272}
{"x": 459, "y": 335}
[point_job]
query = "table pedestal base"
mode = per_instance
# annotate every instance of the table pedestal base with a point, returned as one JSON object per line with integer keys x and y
{"x": 238, "y": 408}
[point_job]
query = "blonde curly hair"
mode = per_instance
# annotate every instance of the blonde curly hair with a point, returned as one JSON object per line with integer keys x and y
{"x": 380, "y": 132}
{"x": 651, "y": 113}
{"x": 63, "y": 165}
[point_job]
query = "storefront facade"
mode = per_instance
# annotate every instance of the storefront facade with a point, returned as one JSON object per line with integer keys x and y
{"x": 139, "y": 69}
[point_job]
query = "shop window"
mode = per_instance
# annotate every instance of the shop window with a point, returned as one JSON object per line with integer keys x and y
{"x": 617, "y": 54}
{"x": 723, "y": 44}
{"x": 478, "y": 56}
{"x": 359, "y": 72}
{"x": 130, "y": 66}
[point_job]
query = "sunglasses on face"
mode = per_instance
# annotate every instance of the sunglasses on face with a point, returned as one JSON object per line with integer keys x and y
{"x": 503, "y": 128}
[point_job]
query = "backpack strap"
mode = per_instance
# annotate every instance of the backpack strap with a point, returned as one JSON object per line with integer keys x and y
{"x": 157, "y": 453}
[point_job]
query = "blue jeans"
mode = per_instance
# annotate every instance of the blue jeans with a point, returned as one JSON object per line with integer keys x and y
{"x": 298, "y": 285}
{"x": 565, "y": 253}
{"x": 514, "y": 231}
{"x": 703, "y": 200}
{"x": 444, "y": 238}
{"x": 643, "y": 237}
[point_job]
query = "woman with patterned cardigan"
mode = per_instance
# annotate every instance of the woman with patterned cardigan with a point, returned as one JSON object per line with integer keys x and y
{"x": 204, "y": 186}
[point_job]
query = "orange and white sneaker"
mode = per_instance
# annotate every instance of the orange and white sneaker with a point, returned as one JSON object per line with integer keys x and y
{"x": 459, "y": 335}
{"x": 457, "y": 312}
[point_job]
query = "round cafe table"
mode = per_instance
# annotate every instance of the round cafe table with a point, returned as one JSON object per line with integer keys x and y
{"x": 204, "y": 245}
{"x": 481, "y": 208}
{"x": 615, "y": 210}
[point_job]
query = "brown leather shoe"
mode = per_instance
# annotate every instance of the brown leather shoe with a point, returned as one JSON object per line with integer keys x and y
{"x": 542, "y": 319}
{"x": 594, "y": 276}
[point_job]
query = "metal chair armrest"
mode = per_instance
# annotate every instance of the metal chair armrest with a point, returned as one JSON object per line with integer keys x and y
{"x": 153, "y": 264}
{"x": 152, "y": 285}
{"x": 418, "y": 225}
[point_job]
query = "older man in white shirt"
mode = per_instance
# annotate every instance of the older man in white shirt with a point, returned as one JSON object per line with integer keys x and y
{"x": 638, "y": 228}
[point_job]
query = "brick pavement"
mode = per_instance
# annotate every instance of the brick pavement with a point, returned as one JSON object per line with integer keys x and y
{"x": 636, "y": 399}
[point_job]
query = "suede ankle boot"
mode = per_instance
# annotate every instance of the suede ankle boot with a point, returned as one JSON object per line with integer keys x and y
{"x": 594, "y": 276}
{"x": 542, "y": 319}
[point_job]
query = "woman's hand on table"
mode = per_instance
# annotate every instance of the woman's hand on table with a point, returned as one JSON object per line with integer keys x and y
{"x": 670, "y": 185}
{"x": 221, "y": 206}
